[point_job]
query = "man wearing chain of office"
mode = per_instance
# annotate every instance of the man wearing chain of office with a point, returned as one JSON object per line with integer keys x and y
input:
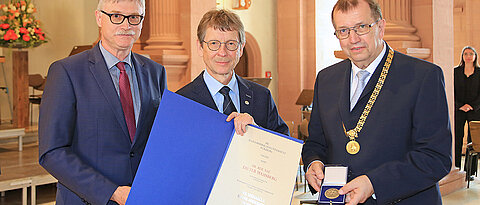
{"x": 380, "y": 113}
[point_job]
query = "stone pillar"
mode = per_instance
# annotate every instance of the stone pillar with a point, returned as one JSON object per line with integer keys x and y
{"x": 161, "y": 40}
{"x": 164, "y": 25}
{"x": 399, "y": 31}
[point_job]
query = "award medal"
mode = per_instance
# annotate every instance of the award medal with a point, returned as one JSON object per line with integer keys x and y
{"x": 332, "y": 193}
{"x": 353, "y": 147}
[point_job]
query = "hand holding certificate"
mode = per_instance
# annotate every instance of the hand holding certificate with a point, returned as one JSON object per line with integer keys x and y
{"x": 193, "y": 157}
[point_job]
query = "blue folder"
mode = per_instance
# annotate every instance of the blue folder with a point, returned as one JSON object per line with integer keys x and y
{"x": 183, "y": 154}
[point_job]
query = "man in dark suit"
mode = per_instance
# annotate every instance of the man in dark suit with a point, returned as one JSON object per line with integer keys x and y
{"x": 97, "y": 111}
{"x": 389, "y": 124}
{"x": 221, "y": 39}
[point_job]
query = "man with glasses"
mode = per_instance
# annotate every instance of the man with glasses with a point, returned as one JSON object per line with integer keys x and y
{"x": 381, "y": 113}
{"x": 97, "y": 111}
{"x": 221, "y": 39}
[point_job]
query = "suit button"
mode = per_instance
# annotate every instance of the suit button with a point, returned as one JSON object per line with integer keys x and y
{"x": 132, "y": 154}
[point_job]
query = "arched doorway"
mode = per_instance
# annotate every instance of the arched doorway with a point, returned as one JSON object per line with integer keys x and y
{"x": 250, "y": 64}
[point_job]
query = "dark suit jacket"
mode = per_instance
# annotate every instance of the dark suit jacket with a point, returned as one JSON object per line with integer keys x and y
{"x": 460, "y": 93}
{"x": 83, "y": 137}
{"x": 260, "y": 103}
{"x": 405, "y": 143}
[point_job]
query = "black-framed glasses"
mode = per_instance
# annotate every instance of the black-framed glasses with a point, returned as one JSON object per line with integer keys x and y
{"x": 214, "y": 45}
{"x": 119, "y": 18}
{"x": 361, "y": 29}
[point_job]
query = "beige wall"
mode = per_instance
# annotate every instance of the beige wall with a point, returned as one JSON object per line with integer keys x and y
{"x": 260, "y": 21}
{"x": 66, "y": 23}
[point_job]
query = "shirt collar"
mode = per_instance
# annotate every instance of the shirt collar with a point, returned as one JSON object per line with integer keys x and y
{"x": 111, "y": 60}
{"x": 214, "y": 86}
{"x": 370, "y": 68}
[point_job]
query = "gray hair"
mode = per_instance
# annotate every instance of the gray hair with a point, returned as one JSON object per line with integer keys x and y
{"x": 141, "y": 3}
{"x": 223, "y": 20}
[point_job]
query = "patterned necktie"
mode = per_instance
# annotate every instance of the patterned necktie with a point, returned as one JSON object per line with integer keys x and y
{"x": 228, "y": 106}
{"x": 361, "y": 76}
{"x": 126, "y": 100}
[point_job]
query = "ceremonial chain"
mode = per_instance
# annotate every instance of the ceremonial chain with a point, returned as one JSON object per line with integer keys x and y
{"x": 353, "y": 147}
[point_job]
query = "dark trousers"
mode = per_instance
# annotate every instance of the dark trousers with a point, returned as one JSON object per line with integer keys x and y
{"x": 460, "y": 119}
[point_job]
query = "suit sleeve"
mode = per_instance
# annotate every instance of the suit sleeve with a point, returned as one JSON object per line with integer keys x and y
{"x": 56, "y": 129}
{"x": 275, "y": 122}
{"x": 315, "y": 147}
{"x": 430, "y": 157}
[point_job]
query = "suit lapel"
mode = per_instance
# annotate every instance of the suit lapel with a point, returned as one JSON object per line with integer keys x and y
{"x": 344, "y": 100}
{"x": 373, "y": 80}
{"x": 202, "y": 93}
{"x": 246, "y": 95}
{"x": 142, "y": 80}
{"x": 99, "y": 70}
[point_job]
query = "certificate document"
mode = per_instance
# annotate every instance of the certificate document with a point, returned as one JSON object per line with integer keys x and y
{"x": 259, "y": 168}
{"x": 193, "y": 157}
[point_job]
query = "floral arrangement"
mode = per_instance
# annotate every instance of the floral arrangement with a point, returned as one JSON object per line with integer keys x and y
{"x": 18, "y": 27}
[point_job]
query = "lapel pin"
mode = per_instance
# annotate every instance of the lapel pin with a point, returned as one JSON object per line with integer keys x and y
{"x": 247, "y": 103}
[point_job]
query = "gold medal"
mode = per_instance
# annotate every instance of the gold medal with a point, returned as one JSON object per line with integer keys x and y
{"x": 332, "y": 193}
{"x": 353, "y": 147}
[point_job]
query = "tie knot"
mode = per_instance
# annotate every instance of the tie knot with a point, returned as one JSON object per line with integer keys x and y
{"x": 224, "y": 91}
{"x": 362, "y": 75}
{"x": 121, "y": 66}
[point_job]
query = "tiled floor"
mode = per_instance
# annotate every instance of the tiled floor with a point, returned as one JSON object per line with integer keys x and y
{"x": 46, "y": 194}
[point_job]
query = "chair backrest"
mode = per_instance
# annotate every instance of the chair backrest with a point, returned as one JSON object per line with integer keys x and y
{"x": 36, "y": 81}
{"x": 475, "y": 134}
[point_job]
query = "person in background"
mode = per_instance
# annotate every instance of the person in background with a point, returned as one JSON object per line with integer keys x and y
{"x": 467, "y": 99}
{"x": 97, "y": 111}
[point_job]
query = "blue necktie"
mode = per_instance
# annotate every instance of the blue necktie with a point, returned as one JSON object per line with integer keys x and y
{"x": 228, "y": 106}
{"x": 361, "y": 76}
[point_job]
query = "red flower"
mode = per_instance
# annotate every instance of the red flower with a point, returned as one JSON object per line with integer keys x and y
{"x": 23, "y": 3}
{"x": 23, "y": 30}
{"x": 10, "y": 35}
{"x": 5, "y": 26}
{"x": 38, "y": 30}
{"x": 26, "y": 37}
{"x": 41, "y": 37}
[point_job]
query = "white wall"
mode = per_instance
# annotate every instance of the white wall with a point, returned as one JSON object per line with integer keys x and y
{"x": 326, "y": 42}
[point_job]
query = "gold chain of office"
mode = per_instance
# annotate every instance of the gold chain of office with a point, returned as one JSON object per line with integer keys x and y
{"x": 353, "y": 147}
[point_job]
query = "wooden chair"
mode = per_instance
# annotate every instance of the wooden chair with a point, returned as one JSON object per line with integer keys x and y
{"x": 473, "y": 149}
{"x": 37, "y": 82}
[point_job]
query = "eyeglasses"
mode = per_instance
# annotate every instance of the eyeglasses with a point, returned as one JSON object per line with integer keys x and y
{"x": 361, "y": 29}
{"x": 119, "y": 18}
{"x": 214, "y": 45}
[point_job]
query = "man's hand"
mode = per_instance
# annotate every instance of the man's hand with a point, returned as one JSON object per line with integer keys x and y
{"x": 315, "y": 175}
{"x": 241, "y": 120}
{"x": 466, "y": 108}
{"x": 358, "y": 190}
{"x": 121, "y": 194}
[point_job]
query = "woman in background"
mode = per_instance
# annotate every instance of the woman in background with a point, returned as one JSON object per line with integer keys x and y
{"x": 467, "y": 98}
